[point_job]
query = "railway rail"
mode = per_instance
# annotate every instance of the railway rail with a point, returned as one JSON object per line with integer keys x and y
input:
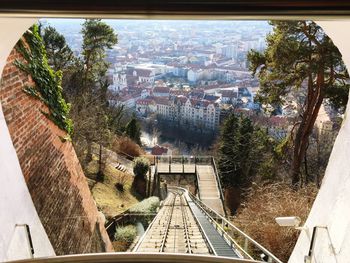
{"x": 185, "y": 225}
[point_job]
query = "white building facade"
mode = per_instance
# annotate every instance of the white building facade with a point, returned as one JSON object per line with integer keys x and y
{"x": 199, "y": 114}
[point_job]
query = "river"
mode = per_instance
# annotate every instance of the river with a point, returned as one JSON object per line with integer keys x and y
{"x": 148, "y": 140}
{"x": 175, "y": 141}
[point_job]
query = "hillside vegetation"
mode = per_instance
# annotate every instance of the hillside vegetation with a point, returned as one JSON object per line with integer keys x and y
{"x": 108, "y": 199}
{"x": 257, "y": 215}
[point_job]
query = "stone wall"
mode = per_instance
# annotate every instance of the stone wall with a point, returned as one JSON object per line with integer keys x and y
{"x": 51, "y": 169}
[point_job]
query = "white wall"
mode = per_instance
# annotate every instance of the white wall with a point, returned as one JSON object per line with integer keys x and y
{"x": 16, "y": 206}
{"x": 332, "y": 205}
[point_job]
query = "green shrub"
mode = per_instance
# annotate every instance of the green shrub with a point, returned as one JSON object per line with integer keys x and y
{"x": 148, "y": 205}
{"x": 141, "y": 166}
{"x": 125, "y": 234}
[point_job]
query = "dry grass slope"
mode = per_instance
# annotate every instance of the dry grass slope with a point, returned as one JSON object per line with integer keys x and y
{"x": 257, "y": 218}
{"x": 108, "y": 199}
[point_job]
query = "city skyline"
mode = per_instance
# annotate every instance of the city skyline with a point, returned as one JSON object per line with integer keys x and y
{"x": 208, "y": 56}
{"x": 71, "y": 28}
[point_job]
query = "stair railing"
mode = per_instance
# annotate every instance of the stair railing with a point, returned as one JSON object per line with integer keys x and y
{"x": 218, "y": 182}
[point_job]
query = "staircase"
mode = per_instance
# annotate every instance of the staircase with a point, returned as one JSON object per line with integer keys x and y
{"x": 120, "y": 167}
{"x": 208, "y": 188}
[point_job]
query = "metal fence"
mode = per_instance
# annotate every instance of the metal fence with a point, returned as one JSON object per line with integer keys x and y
{"x": 174, "y": 159}
{"x": 165, "y": 163}
{"x": 247, "y": 246}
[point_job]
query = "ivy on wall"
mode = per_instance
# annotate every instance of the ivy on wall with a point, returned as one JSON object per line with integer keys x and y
{"x": 47, "y": 86}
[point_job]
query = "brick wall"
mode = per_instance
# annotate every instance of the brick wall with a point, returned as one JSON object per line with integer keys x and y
{"x": 51, "y": 169}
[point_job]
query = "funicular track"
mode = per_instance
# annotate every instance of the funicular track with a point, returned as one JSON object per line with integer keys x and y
{"x": 174, "y": 229}
{"x": 186, "y": 225}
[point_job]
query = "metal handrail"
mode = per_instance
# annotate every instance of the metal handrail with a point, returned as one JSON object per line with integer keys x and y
{"x": 197, "y": 179}
{"x": 271, "y": 258}
{"x": 167, "y": 157}
{"x": 126, "y": 155}
{"x": 232, "y": 242}
{"x": 208, "y": 160}
{"x": 125, "y": 214}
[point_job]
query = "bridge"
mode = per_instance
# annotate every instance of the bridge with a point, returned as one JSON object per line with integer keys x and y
{"x": 205, "y": 171}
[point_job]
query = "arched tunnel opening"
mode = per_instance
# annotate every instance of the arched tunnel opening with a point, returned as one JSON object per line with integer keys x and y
{"x": 22, "y": 160}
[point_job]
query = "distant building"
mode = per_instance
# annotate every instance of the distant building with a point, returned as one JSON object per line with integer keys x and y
{"x": 276, "y": 126}
{"x": 143, "y": 75}
{"x": 145, "y": 106}
{"x": 228, "y": 96}
{"x": 119, "y": 81}
{"x": 180, "y": 71}
{"x": 160, "y": 150}
{"x": 230, "y": 51}
{"x": 164, "y": 108}
{"x": 197, "y": 113}
{"x": 161, "y": 91}
{"x": 123, "y": 78}
{"x": 196, "y": 94}
{"x": 129, "y": 101}
{"x": 211, "y": 98}
{"x": 326, "y": 128}
{"x": 145, "y": 93}
{"x": 194, "y": 75}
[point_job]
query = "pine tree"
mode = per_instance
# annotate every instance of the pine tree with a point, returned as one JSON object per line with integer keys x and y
{"x": 58, "y": 52}
{"x": 245, "y": 145}
{"x": 97, "y": 37}
{"x": 227, "y": 150}
{"x": 234, "y": 152}
{"x": 299, "y": 58}
{"x": 87, "y": 89}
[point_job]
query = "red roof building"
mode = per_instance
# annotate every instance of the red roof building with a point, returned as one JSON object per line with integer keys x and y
{"x": 159, "y": 150}
{"x": 161, "y": 91}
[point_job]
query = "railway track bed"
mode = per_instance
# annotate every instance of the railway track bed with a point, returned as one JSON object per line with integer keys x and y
{"x": 174, "y": 229}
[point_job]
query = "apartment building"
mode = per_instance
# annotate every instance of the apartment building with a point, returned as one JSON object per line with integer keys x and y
{"x": 196, "y": 113}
